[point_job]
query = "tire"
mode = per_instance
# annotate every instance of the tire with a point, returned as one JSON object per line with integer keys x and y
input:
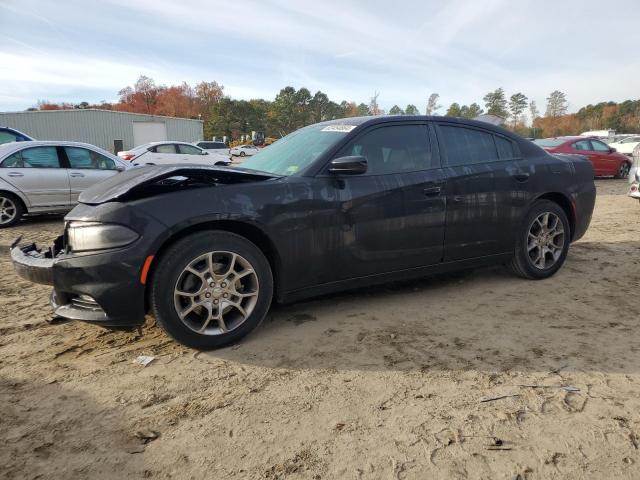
{"x": 175, "y": 288}
{"x": 623, "y": 171}
{"x": 242, "y": 154}
{"x": 11, "y": 209}
{"x": 530, "y": 259}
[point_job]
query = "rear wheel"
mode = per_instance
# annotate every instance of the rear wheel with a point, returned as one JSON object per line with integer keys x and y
{"x": 623, "y": 171}
{"x": 543, "y": 241}
{"x": 11, "y": 209}
{"x": 242, "y": 154}
{"x": 210, "y": 289}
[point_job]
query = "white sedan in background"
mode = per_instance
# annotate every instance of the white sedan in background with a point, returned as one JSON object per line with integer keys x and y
{"x": 43, "y": 177}
{"x": 163, "y": 153}
{"x": 244, "y": 150}
{"x": 213, "y": 147}
{"x": 626, "y": 145}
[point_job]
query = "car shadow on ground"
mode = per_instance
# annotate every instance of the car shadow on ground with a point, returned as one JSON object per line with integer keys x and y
{"x": 584, "y": 318}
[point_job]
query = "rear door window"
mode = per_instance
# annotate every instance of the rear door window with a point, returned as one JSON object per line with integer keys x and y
{"x": 599, "y": 146}
{"x": 84, "y": 158}
{"x": 582, "y": 145}
{"x": 166, "y": 148}
{"x": 40, "y": 157}
{"x": 189, "y": 149}
{"x": 393, "y": 149}
{"x": 13, "y": 161}
{"x": 467, "y": 146}
{"x": 6, "y": 137}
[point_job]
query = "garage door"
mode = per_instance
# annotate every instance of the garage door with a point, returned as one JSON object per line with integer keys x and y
{"x": 145, "y": 132}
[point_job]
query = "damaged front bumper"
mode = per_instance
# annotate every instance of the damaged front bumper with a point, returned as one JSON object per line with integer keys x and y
{"x": 33, "y": 264}
{"x": 101, "y": 288}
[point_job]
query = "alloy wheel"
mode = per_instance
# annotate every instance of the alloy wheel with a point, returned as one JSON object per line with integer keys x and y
{"x": 545, "y": 240}
{"x": 8, "y": 210}
{"x": 216, "y": 292}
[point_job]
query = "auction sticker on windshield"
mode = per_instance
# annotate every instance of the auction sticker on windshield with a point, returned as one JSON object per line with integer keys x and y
{"x": 338, "y": 128}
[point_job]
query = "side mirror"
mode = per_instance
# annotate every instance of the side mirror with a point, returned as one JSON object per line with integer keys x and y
{"x": 205, "y": 153}
{"x": 612, "y": 150}
{"x": 352, "y": 165}
{"x": 120, "y": 168}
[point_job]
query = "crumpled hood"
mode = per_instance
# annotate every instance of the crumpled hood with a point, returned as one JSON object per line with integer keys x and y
{"x": 154, "y": 179}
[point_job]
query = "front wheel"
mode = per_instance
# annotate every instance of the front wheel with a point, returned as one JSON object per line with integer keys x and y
{"x": 623, "y": 171}
{"x": 242, "y": 154}
{"x": 210, "y": 289}
{"x": 543, "y": 241}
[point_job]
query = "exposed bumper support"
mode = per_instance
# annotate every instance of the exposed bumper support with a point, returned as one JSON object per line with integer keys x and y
{"x": 101, "y": 288}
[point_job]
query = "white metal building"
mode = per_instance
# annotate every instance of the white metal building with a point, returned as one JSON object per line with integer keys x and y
{"x": 107, "y": 129}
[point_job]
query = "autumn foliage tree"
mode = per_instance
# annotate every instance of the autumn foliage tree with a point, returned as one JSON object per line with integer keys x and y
{"x": 294, "y": 108}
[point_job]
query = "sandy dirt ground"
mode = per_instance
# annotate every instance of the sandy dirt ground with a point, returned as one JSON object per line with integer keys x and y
{"x": 382, "y": 383}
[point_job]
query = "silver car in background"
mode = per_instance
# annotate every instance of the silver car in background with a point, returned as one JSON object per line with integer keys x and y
{"x": 48, "y": 176}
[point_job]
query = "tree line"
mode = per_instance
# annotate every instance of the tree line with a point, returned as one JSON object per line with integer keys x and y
{"x": 292, "y": 109}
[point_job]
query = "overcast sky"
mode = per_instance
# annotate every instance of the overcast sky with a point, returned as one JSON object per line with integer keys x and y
{"x": 75, "y": 50}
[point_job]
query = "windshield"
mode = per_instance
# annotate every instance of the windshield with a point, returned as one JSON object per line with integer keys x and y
{"x": 297, "y": 150}
{"x": 550, "y": 142}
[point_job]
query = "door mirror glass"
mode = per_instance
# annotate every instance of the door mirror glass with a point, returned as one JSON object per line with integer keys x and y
{"x": 351, "y": 165}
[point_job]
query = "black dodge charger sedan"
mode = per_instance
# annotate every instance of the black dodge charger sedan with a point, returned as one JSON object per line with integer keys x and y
{"x": 336, "y": 205}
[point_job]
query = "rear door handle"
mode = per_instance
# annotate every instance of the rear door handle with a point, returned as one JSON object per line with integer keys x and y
{"x": 521, "y": 177}
{"x": 432, "y": 191}
{"x": 77, "y": 174}
{"x": 15, "y": 174}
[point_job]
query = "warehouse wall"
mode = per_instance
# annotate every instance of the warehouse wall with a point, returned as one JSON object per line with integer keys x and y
{"x": 97, "y": 127}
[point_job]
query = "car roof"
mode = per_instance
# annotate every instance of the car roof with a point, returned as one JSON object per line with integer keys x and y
{"x": 12, "y": 147}
{"x": 570, "y": 138}
{"x": 380, "y": 119}
{"x": 165, "y": 142}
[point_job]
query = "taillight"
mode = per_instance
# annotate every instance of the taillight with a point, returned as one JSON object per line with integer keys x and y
{"x": 126, "y": 155}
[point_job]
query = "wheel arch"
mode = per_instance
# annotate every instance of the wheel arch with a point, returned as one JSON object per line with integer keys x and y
{"x": 249, "y": 231}
{"x": 18, "y": 196}
{"x": 565, "y": 203}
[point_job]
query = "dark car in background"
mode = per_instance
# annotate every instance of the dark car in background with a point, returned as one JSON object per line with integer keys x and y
{"x": 333, "y": 206}
{"x": 8, "y": 134}
{"x": 606, "y": 161}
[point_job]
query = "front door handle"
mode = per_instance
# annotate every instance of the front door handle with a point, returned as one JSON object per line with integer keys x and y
{"x": 432, "y": 191}
{"x": 521, "y": 177}
{"x": 77, "y": 174}
{"x": 15, "y": 174}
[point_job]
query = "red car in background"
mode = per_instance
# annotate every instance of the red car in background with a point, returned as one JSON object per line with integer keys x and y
{"x": 606, "y": 161}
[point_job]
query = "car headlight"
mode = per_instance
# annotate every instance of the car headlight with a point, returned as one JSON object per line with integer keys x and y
{"x": 85, "y": 236}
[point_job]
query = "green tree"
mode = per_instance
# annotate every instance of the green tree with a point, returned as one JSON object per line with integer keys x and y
{"x": 496, "y": 103}
{"x": 363, "y": 110}
{"x": 396, "y": 110}
{"x": 454, "y": 110}
{"x": 474, "y": 110}
{"x": 517, "y": 106}
{"x": 411, "y": 110}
